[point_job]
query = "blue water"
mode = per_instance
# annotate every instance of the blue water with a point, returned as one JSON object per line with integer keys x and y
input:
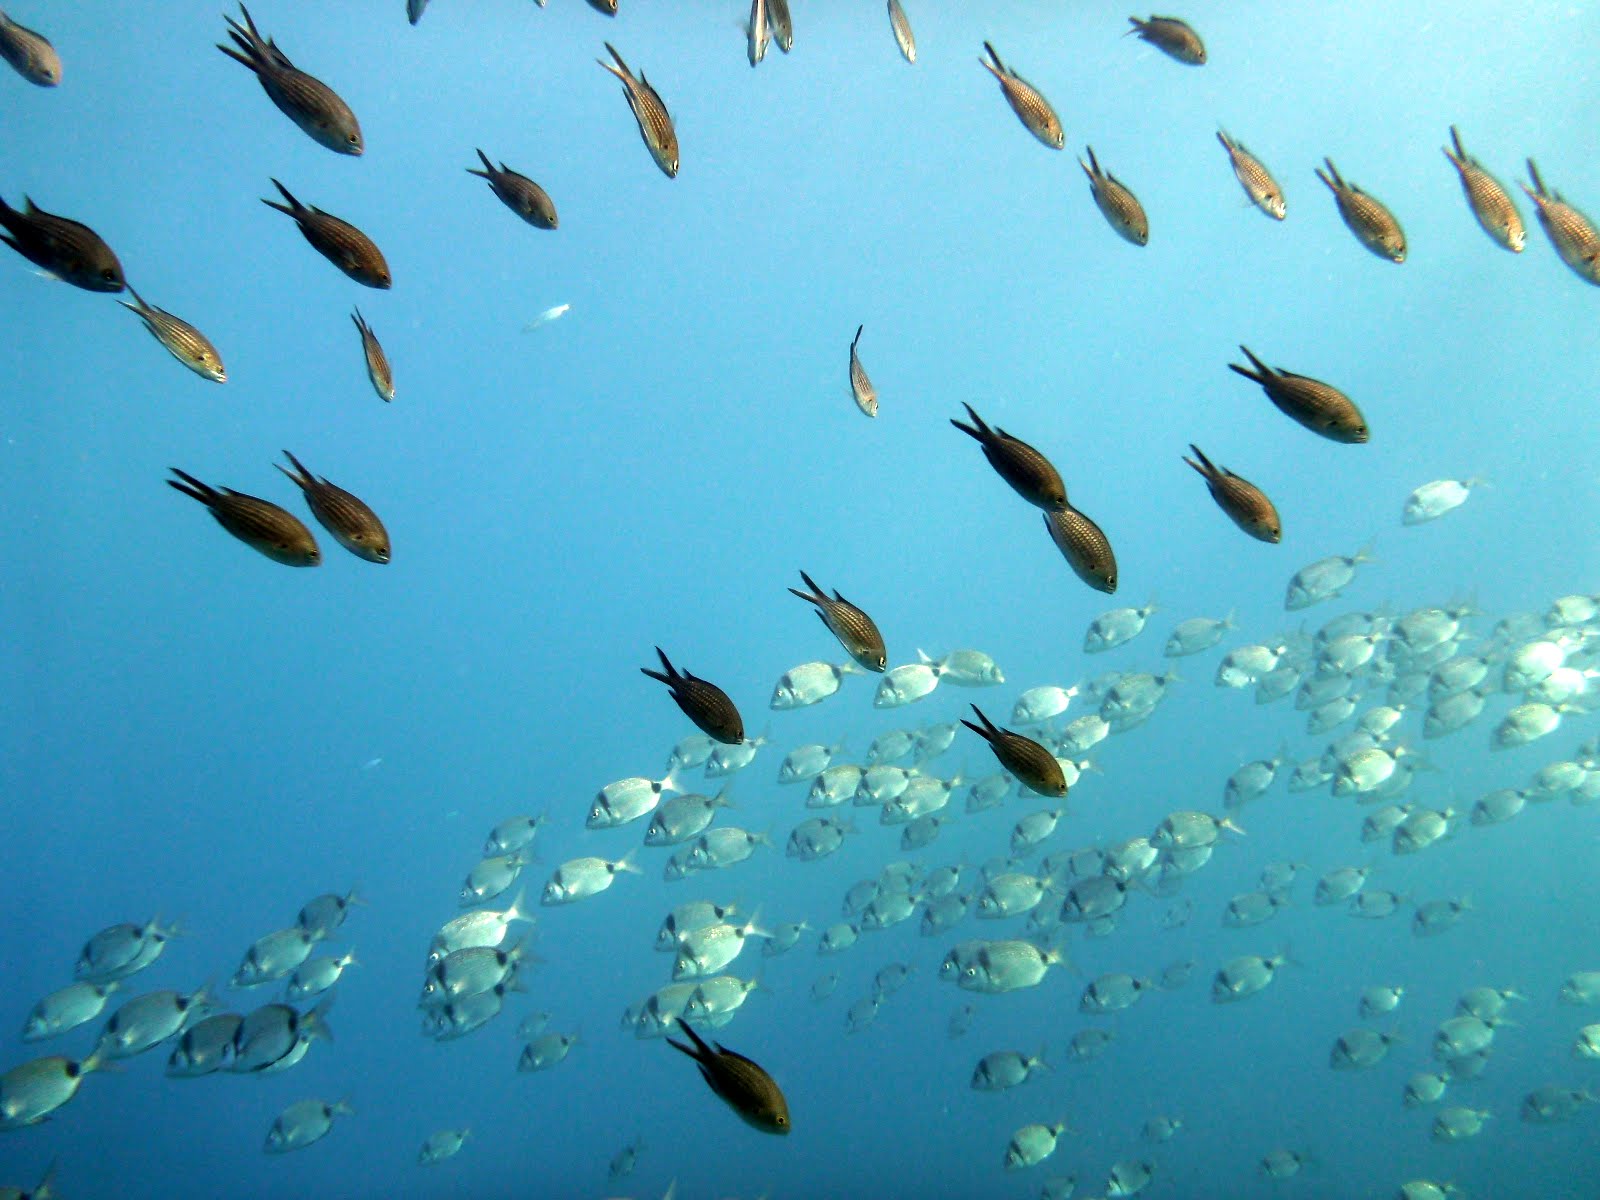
{"x": 194, "y": 731}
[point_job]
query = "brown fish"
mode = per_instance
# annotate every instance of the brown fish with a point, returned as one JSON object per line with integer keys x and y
{"x": 1374, "y": 225}
{"x": 68, "y": 249}
{"x": 741, "y": 1084}
{"x": 1489, "y": 201}
{"x": 1569, "y": 231}
{"x": 259, "y": 524}
{"x": 1247, "y": 505}
{"x": 704, "y": 703}
{"x": 866, "y": 396}
{"x": 1316, "y": 405}
{"x": 1174, "y": 38}
{"x": 1086, "y": 549}
{"x": 1032, "y": 109}
{"x": 181, "y": 339}
{"x": 1025, "y": 758}
{"x": 609, "y": 7}
{"x": 311, "y": 104}
{"x": 655, "y": 123}
{"x": 340, "y": 242}
{"x": 1119, "y": 206}
{"x": 377, "y": 361}
{"x": 1254, "y": 178}
{"x": 1030, "y": 474}
{"x": 856, "y": 631}
{"x": 518, "y": 193}
{"x": 30, "y": 53}
{"x": 353, "y": 525}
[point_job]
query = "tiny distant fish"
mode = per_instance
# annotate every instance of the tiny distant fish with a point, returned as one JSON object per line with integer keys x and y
{"x": 1374, "y": 225}
{"x": 1172, "y": 37}
{"x": 181, "y": 339}
{"x": 259, "y": 524}
{"x": 548, "y": 315}
{"x": 655, "y": 123}
{"x": 1087, "y": 550}
{"x": 518, "y": 193}
{"x": 1316, "y": 405}
{"x": 1119, "y": 206}
{"x": 1570, "y": 232}
{"x": 355, "y": 526}
{"x": 903, "y": 37}
{"x": 378, "y": 369}
{"x": 69, "y": 250}
{"x": 307, "y": 101}
{"x": 1247, "y": 505}
{"x": 1030, "y": 474}
{"x": 340, "y": 242}
{"x": 1032, "y": 109}
{"x": 1255, "y": 179}
{"x": 707, "y": 705}
{"x": 866, "y": 396}
{"x": 1490, "y": 202}
{"x": 30, "y": 53}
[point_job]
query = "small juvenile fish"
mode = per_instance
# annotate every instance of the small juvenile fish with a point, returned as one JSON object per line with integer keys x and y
{"x": 903, "y": 37}
{"x": 377, "y": 361}
{"x": 353, "y": 525}
{"x": 856, "y": 631}
{"x": 338, "y": 241}
{"x": 259, "y": 524}
{"x": 1032, "y": 109}
{"x": 1247, "y": 505}
{"x": 1374, "y": 225}
{"x": 1119, "y": 206}
{"x": 67, "y": 249}
{"x": 30, "y": 53}
{"x": 1025, "y": 758}
{"x": 741, "y": 1084}
{"x": 1570, "y": 232}
{"x": 181, "y": 339}
{"x": 1255, "y": 179}
{"x": 707, "y": 705}
{"x": 1172, "y": 37}
{"x": 311, "y": 104}
{"x": 655, "y": 123}
{"x": 1316, "y": 405}
{"x": 866, "y": 396}
{"x": 1488, "y": 198}
{"x": 518, "y": 193}
{"x": 1030, "y": 474}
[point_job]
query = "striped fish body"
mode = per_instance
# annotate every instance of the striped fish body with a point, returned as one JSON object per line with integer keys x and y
{"x": 1032, "y": 109}
{"x": 68, "y": 249}
{"x": 655, "y": 123}
{"x": 1318, "y": 406}
{"x": 377, "y": 361}
{"x": 1569, "y": 231}
{"x": 740, "y": 1083}
{"x": 181, "y": 339}
{"x": 856, "y": 631}
{"x": 259, "y": 524}
{"x": 1030, "y": 762}
{"x": 34, "y": 58}
{"x": 1030, "y": 474}
{"x": 1255, "y": 179}
{"x": 866, "y": 396}
{"x": 1086, "y": 549}
{"x": 353, "y": 525}
{"x": 1491, "y": 204}
{"x": 311, "y": 104}
{"x": 340, "y": 242}
{"x": 1119, "y": 206}
{"x": 518, "y": 193}
{"x": 1374, "y": 225}
{"x": 1174, "y": 38}
{"x": 901, "y": 28}
{"x": 1247, "y": 505}
{"x": 704, "y": 703}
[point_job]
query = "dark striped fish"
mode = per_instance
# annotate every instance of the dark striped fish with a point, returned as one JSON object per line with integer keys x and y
{"x": 340, "y": 242}
{"x": 377, "y": 361}
{"x": 866, "y": 396}
{"x": 1025, "y": 758}
{"x": 30, "y": 53}
{"x": 1247, "y": 505}
{"x": 259, "y": 524}
{"x": 704, "y": 703}
{"x": 1316, "y": 405}
{"x": 69, "y": 250}
{"x": 655, "y": 123}
{"x": 355, "y": 526}
{"x": 1030, "y": 474}
{"x": 781, "y": 22}
{"x": 518, "y": 193}
{"x": 1374, "y": 225}
{"x": 1032, "y": 109}
{"x": 1174, "y": 38}
{"x": 901, "y": 27}
{"x": 311, "y": 104}
{"x": 856, "y": 631}
{"x": 181, "y": 339}
{"x": 1255, "y": 179}
{"x": 1569, "y": 231}
{"x": 1119, "y": 206}
{"x": 1489, "y": 201}
{"x": 741, "y": 1084}
{"x": 1086, "y": 549}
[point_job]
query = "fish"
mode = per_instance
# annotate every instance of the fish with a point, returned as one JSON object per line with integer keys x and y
{"x": 554, "y": 313}
{"x": 146, "y": 1021}
{"x": 322, "y": 915}
{"x": 302, "y": 1123}
{"x": 579, "y": 878}
{"x": 1030, "y": 474}
{"x": 31, "y": 1092}
{"x": 757, "y": 35}
{"x": 608, "y": 7}
{"x": 1255, "y": 179}
{"x": 1023, "y": 757}
{"x": 415, "y": 9}
{"x": 866, "y": 396}
{"x": 119, "y": 951}
{"x": 1174, "y": 38}
{"x": 781, "y": 22}
{"x": 809, "y": 683}
{"x": 1032, "y": 1144}
{"x": 1119, "y": 206}
{"x": 1374, "y": 225}
{"x": 1032, "y": 109}
{"x": 518, "y": 193}
{"x": 259, "y": 524}
{"x": 1247, "y": 505}
{"x": 1491, "y": 204}
{"x": 1085, "y": 547}
{"x": 69, "y": 250}
{"x": 1570, "y": 232}
{"x": 340, "y": 242}
{"x": 655, "y": 123}
{"x": 205, "y": 1047}
{"x": 1321, "y": 408}
{"x": 66, "y": 1009}
{"x": 272, "y": 956}
{"x": 378, "y": 370}
{"x": 317, "y": 975}
{"x": 740, "y": 1083}
{"x": 901, "y": 28}
{"x": 707, "y": 705}
{"x": 446, "y": 1143}
{"x": 181, "y": 339}
{"x": 311, "y": 104}
{"x": 856, "y": 631}
{"x": 546, "y": 1051}
{"x": 34, "y": 58}
{"x": 353, "y": 525}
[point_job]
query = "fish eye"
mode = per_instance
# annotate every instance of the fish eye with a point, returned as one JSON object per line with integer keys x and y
{"x": 107, "y": 273}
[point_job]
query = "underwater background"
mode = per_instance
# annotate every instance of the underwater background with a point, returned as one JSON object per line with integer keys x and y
{"x": 192, "y": 731}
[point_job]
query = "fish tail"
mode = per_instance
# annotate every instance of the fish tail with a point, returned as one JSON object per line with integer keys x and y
{"x": 1332, "y": 186}
{"x": 246, "y": 59}
{"x": 488, "y": 167}
{"x": 1203, "y": 466}
{"x": 857, "y": 338}
{"x": 360, "y": 321}
{"x": 1538, "y": 183}
{"x": 1261, "y": 373}
{"x": 1093, "y": 161}
{"x": 623, "y": 73}
{"x": 1455, "y": 140}
{"x": 1227, "y": 142}
{"x": 192, "y": 487}
{"x": 812, "y": 584}
{"x": 999, "y": 68}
